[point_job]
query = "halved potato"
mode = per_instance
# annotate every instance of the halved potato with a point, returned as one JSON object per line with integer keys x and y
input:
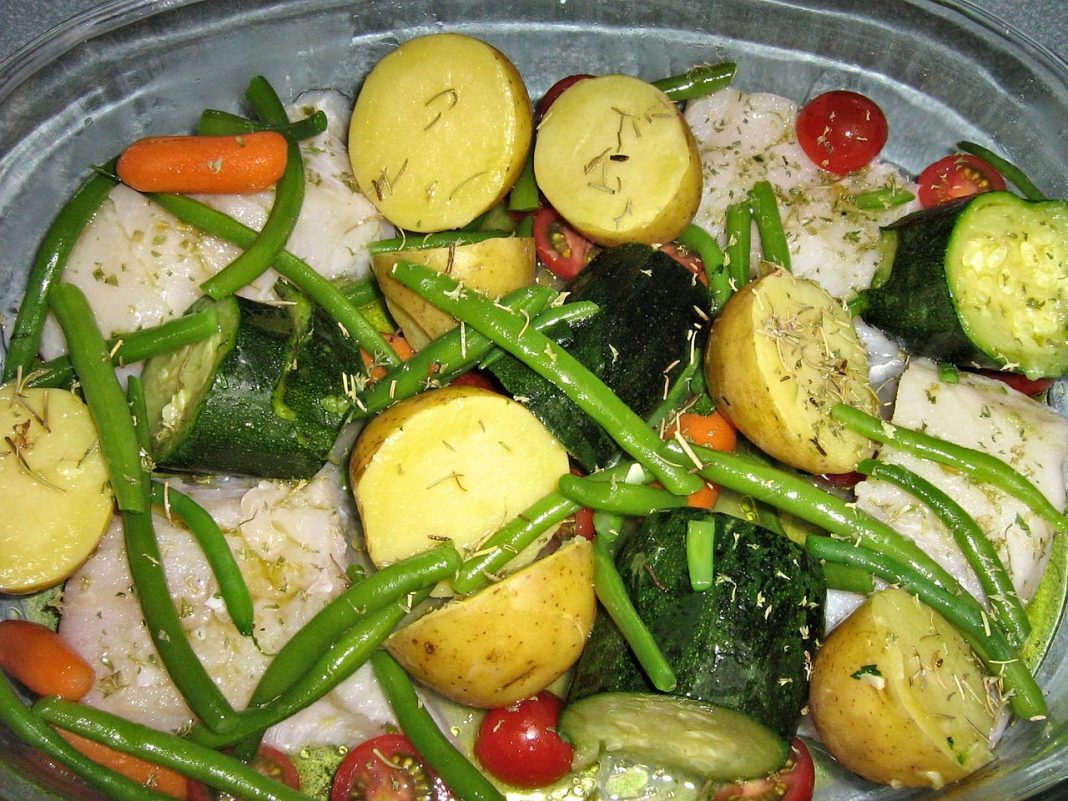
{"x": 440, "y": 131}
{"x": 898, "y": 697}
{"x": 55, "y": 500}
{"x": 780, "y": 355}
{"x": 454, "y": 463}
{"x": 512, "y": 639}
{"x": 493, "y": 267}
{"x": 616, "y": 158}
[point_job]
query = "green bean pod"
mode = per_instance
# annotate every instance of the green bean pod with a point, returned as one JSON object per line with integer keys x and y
{"x": 222, "y": 123}
{"x": 979, "y": 465}
{"x": 1015, "y": 175}
{"x": 441, "y": 239}
{"x": 739, "y": 239}
{"x": 708, "y": 250}
{"x": 197, "y": 762}
{"x": 48, "y": 266}
{"x": 513, "y": 334}
{"x": 986, "y": 638}
{"x": 525, "y": 196}
{"x": 878, "y": 199}
{"x": 464, "y": 779}
{"x": 103, "y": 395}
{"x": 631, "y": 500}
{"x": 212, "y": 541}
{"x": 698, "y": 81}
{"x": 769, "y": 224}
{"x": 973, "y": 543}
{"x": 679, "y": 391}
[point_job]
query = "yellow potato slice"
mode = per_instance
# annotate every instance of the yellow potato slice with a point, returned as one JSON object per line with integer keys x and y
{"x": 616, "y": 158}
{"x": 779, "y": 356}
{"x": 454, "y": 463}
{"x": 898, "y": 697}
{"x": 55, "y": 500}
{"x": 440, "y": 131}
{"x": 493, "y": 267}
{"x": 512, "y": 639}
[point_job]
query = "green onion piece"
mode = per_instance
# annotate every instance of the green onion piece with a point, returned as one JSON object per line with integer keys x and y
{"x": 769, "y": 224}
{"x": 739, "y": 236}
{"x": 948, "y": 373}
{"x": 700, "y": 554}
{"x": 441, "y": 239}
{"x": 886, "y": 198}
{"x": 698, "y": 81}
{"x": 1015, "y": 175}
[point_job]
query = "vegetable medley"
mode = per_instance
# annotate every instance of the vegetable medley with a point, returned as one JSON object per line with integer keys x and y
{"x": 628, "y": 445}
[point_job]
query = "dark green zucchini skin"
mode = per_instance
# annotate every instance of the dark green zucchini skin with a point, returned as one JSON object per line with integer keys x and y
{"x": 649, "y": 307}
{"x": 745, "y": 644}
{"x": 914, "y": 302}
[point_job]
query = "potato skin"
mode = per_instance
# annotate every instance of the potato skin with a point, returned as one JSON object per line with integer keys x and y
{"x": 885, "y": 697}
{"x": 510, "y": 640}
{"x": 779, "y": 356}
{"x": 493, "y": 267}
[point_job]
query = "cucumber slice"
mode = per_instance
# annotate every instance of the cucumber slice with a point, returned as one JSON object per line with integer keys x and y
{"x": 677, "y": 733}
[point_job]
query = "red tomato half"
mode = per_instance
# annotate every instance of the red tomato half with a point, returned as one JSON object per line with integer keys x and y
{"x": 688, "y": 259}
{"x": 554, "y": 92}
{"x": 841, "y": 131}
{"x": 269, "y": 761}
{"x": 1019, "y": 382}
{"x": 961, "y": 175}
{"x": 795, "y": 782}
{"x": 519, "y": 744}
{"x": 387, "y": 768}
{"x": 562, "y": 249}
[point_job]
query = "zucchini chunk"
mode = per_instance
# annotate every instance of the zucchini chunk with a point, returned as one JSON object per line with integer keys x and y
{"x": 650, "y": 308}
{"x": 981, "y": 280}
{"x": 740, "y": 652}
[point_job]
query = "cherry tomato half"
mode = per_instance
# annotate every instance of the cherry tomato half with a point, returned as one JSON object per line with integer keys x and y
{"x": 841, "y": 131}
{"x": 387, "y": 768}
{"x": 1020, "y": 382}
{"x": 554, "y": 92}
{"x": 269, "y": 761}
{"x": 688, "y": 259}
{"x": 957, "y": 176}
{"x": 795, "y": 782}
{"x": 562, "y": 249}
{"x": 518, "y": 744}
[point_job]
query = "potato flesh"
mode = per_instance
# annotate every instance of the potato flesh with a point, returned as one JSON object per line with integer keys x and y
{"x": 453, "y": 463}
{"x": 440, "y": 132}
{"x": 616, "y": 158}
{"x": 56, "y": 502}
{"x": 779, "y": 356}
{"x": 493, "y": 267}
{"x": 512, "y": 639}
{"x": 898, "y": 697}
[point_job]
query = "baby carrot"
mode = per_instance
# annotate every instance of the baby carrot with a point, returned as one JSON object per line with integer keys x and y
{"x": 162, "y": 780}
{"x": 400, "y": 346}
{"x": 205, "y": 164}
{"x": 710, "y": 430}
{"x": 43, "y": 661}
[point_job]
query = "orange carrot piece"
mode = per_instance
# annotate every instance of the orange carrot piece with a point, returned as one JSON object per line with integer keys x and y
{"x": 161, "y": 779}
{"x": 704, "y": 498}
{"x": 713, "y": 431}
{"x": 204, "y": 164}
{"x": 400, "y": 346}
{"x": 43, "y": 661}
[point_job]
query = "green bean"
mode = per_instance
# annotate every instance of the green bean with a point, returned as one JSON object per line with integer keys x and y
{"x": 979, "y": 465}
{"x": 769, "y": 224}
{"x": 614, "y": 598}
{"x": 847, "y": 578}
{"x": 739, "y": 240}
{"x": 448, "y": 355}
{"x": 135, "y": 402}
{"x": 1015, "y": 175}
{"x": 631, "y": 500}
{"x": 973, "y": 543}
{"x": 351, "y": 650}
{"x": 32, "y": 729}
{"x": 281, "y": 220}
{"x": 524, "y": 195}
{"x": 679, "y": 391}
{"x": 608, "y": 526}
{"x": 700, "y": 554}
{"x": 442, "y": 239}
{"x": 948, "y": 373}
{"x": 708, "y": 250}
{"x": 103, "y": 395}
{"x": 133, "y": 347}
{"x": 886, "y": 198}
{"x": 704, "y": 79}
{"x": 48, "y": 266}
{"x": 510, "y": 539}
{"x": 363, "y": 292}
{"x": 212, "y": 541}
{"x": 525, "y": 227}
{"x": 987, "y": 640}
{"x": 512, "y": 333}
{"x": 222, "y": 123}
{"x": 463, "y": 778}
{"x": 547, "y": 321}
{"x": 798, "y": 497}
{"x": 297, "y": 271}
{"x": 161, "y": 748}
